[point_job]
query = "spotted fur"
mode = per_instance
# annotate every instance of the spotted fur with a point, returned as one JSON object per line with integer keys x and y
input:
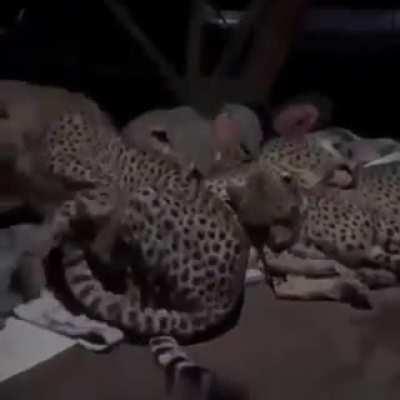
{"x": 188, "y": 240}
{"x": 308, "y": 160}
{"x": 194, "y": 250}
{"x": 88, "y": 167}
{"x": 379, "y": 188}
{"x": 338, "y": 227}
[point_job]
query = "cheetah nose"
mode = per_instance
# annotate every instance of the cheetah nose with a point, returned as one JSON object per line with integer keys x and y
{"x": 293, "y": 213}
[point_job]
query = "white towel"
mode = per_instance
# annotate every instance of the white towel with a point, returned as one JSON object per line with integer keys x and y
{"x": 43, "y": 328}
{"x": 49, "y": 313}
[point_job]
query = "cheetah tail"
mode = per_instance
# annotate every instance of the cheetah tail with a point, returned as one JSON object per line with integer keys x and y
{"x": 126, "y": 311}
{"x": 188, "y": 380}
{"x": 183, "y": 375}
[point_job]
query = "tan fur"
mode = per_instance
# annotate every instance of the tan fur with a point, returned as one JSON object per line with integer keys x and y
{"x": 343, "y": 230}
{"x": 185, "y": 234}
{"x": 193, "y": 251}
{"x": 26, "y": 110}
{"x": 309, "y": 161}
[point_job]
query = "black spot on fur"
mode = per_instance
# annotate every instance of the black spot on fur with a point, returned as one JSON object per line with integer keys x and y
{"x": 212, "y": 261}
{"x": 185, "y": 275}
{"x": 210, "y": 273}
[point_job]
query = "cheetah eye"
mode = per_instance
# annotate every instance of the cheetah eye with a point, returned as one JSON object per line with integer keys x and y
{"x": 287, "y": 178}
{"x": 160, "y": 135}
{"x": 245, "y": 150}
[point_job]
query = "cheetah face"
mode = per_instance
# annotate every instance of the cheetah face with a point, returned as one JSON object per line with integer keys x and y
{"x": 270, "y": 196}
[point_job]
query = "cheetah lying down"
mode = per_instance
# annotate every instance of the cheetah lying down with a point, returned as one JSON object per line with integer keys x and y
{"x": 344, "y": 245}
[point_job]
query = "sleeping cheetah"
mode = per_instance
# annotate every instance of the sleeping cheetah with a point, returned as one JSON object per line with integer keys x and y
{"x": 379, "y": 188}
{"x": 311, "y": 161}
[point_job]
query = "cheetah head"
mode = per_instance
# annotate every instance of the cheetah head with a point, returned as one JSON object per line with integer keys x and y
{"x": 269, "y": 196}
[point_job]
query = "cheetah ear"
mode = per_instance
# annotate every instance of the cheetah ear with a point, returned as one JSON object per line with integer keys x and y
{"x": 296, "y": 120}
{"x": 4, "y": 112}
{"x": 160, "y": 134}
{"x": 194, "y": 172}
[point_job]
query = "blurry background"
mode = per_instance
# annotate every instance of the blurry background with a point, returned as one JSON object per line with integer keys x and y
{"x": 348, "y": 50}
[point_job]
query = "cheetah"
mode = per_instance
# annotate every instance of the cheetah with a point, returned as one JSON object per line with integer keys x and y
{"x": 327, "y": 227}
{"x": 192, "y": 249}
{"x": 310, "y": 160}
{"x": 77, "y": 163}
{"x": 237, "y": 178}
{"x": 379, "y": 188}
{"x": 195, "y": 254}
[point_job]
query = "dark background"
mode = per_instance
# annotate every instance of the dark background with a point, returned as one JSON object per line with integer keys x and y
{"x": 347, "y": 51}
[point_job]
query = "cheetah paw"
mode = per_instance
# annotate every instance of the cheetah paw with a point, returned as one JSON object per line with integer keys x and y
{"x": 254, "y": 276}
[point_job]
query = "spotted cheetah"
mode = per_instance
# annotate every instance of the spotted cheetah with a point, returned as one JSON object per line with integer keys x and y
{"x": 200, "y": 254}
{"x": 195, "y": 254}
{"x": 237, "y": 178}
{"x": 192, "y": 247}
{"x": 297, "y": 160}
{"x": 77, "y": 168}
{"x": 311, "y": 161}
{"x": 327, "y": 226}
{"x": 379, "y": 188}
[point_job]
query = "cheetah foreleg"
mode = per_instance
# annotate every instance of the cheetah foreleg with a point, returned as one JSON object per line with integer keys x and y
{"x": 333, "y": 289}
{"x": 301, "y": 250}
{"x": 286, "y": 263}
{"x": 376, "y": 278}
{"x": 379, "y": 258}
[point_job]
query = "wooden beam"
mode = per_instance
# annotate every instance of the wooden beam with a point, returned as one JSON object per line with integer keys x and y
{"x": 273, "y": 38}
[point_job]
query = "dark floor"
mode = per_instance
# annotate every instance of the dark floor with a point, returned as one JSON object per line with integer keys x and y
{"x": 281, "y": 350}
